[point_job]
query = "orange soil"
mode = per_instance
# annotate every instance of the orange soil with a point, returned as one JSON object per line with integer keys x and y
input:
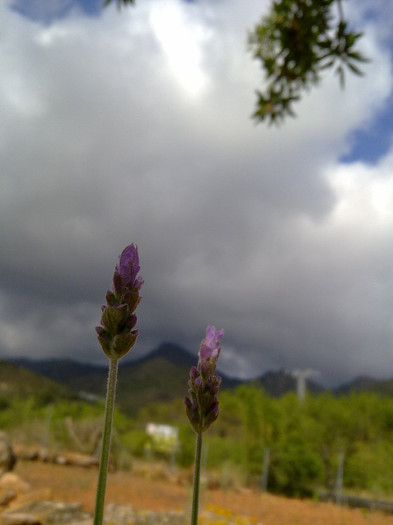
{"x": 73, "y": 484}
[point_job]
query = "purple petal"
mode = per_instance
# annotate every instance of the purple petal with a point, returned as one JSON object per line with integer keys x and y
{"x": 128, "y": 266}
{"x": 210, "y": 347}
{"x": 213, "y": 335}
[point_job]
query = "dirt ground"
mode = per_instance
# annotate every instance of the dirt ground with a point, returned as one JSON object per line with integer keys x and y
{"x": 77, "y": 484}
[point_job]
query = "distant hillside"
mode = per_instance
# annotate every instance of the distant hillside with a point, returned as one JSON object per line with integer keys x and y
{"x": 19, "y": 381}
{"x": 159, "y": 377}
{"x": 367, "y": 384}
{"x": 73, "y": 374}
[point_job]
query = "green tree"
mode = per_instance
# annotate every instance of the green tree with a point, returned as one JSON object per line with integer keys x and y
{"x": 295, "y": 468}
{"x": 370, "y": 467}
{"x": 295, "y": 42}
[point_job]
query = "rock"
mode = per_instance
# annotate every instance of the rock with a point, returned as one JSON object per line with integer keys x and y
{"x": 28, "y": 453}
{"x": 7, "y": 456}
{"x": 42, "y": 494}
{"x": 46, "y": 456}
{"x": 124, "y": 515}
{"x": 18, "y": 518}
{"x": 119, "y": 514}
{"x": 78, "y": 460}
{"x": 10, "y": 480}
{"x": 46, "y": 513}
{"x": 6, "y": 496}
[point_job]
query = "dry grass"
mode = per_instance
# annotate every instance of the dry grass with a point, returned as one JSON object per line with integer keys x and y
{"x": 72, "y": 484}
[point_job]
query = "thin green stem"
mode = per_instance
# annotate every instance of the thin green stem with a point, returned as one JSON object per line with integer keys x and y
{"x": 106, "y": 442}
{"x": 340, "y": 10}
{"x": 197, "y": 475}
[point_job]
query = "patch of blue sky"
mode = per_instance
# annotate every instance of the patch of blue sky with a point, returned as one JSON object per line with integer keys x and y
{"x": 46, "y": 12}
{"x": 370, "y": 144}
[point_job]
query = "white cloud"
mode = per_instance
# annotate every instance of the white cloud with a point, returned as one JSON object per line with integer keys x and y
{"x": 181, "y": 37}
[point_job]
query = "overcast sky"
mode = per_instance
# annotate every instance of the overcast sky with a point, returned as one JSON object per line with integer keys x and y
{"x": 134, "y": 126}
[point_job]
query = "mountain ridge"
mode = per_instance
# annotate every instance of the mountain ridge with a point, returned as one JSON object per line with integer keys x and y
{"x": 162, "y": 376}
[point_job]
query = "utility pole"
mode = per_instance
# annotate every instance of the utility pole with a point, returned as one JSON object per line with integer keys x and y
{"x": 301, "y": 376}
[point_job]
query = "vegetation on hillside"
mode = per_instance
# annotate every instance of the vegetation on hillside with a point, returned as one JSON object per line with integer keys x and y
{"x": 21, "y": 382}
{"x": 305, "y": 440}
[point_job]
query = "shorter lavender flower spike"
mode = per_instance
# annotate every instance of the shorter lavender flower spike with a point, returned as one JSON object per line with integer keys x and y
{"x": 202, "y": 402}
{"x": 116, "y": 334}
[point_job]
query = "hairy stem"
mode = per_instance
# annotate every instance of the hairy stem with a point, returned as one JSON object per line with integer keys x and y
{"x": 106, "y": 442}
{"x": 340, "y": 10}
{"x": 197, "y": 475}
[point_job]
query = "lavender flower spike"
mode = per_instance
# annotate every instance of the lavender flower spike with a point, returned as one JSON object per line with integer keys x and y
{"x": 202, "y": 402}
{"x": 116, "y": 333}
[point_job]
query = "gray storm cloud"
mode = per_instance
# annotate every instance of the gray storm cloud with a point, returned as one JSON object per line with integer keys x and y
{"x": 112, "y": 134}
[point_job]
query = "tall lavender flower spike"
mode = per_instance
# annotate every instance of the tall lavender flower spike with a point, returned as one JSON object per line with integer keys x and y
{"x": 116, "y": 336}
{"x": 202, "y": 402}
{"x": 116, "y": 333}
